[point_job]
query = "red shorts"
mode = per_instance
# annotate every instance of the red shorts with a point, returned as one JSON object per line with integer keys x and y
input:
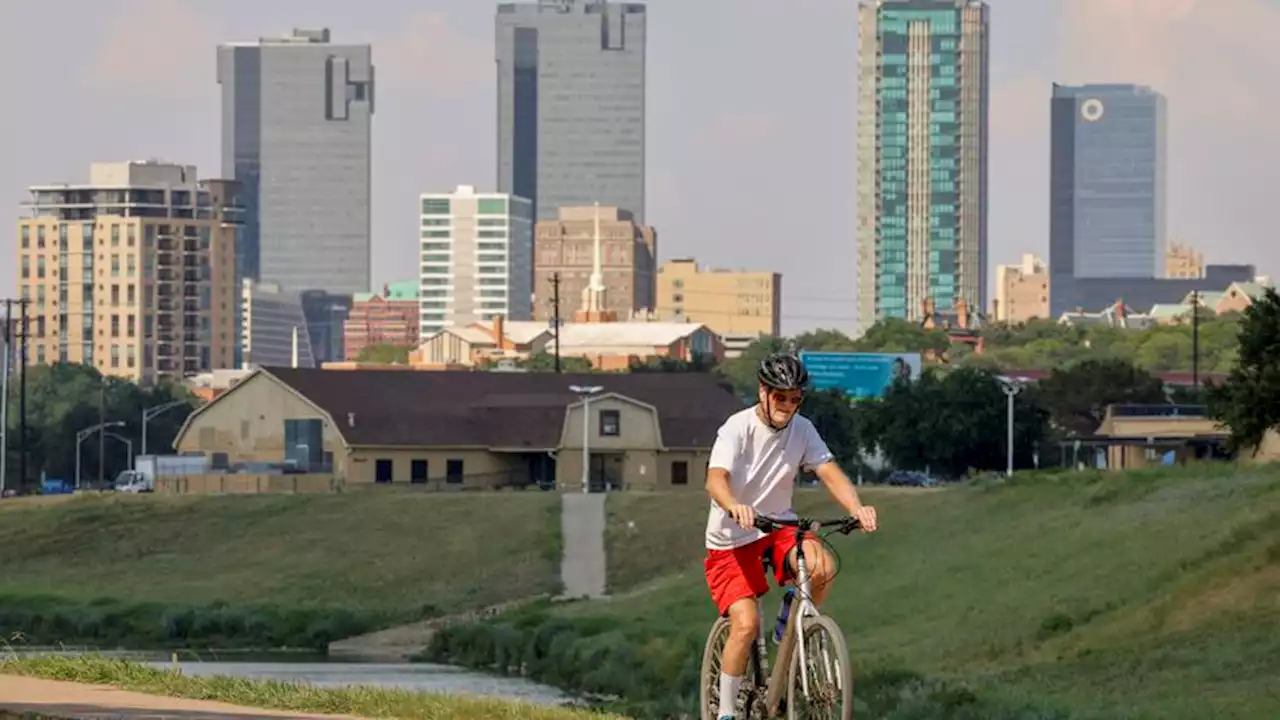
{"x": 739, "y": 573}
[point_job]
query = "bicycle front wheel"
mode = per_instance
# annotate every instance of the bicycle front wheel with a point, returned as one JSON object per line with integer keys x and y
{"x": 709, "y": 688}
{"x": 827, "y": 674}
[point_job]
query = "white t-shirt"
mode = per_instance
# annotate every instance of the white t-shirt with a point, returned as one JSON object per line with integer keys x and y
{"x": 763, "y": 464}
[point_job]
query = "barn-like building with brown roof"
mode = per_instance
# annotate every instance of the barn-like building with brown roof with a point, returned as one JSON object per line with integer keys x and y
{"x": 468, "y": 430}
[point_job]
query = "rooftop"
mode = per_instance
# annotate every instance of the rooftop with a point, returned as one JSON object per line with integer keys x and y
{"x": 500, "y": 410}
{"x": 404, "y": 290}
{"x": 610, "y": 334}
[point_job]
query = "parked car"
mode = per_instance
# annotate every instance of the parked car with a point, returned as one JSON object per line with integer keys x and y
{"x": 910, "y": 478}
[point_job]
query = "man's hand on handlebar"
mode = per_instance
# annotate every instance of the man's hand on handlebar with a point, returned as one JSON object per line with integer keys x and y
{"x": 866, "y": 517}
{"x": 744, "y": 515}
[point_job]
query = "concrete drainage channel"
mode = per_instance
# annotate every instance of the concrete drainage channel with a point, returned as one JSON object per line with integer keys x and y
{"x": 583, "y": 567}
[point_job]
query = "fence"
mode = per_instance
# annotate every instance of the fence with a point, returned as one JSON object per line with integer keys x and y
{"x": 241, "y": 484}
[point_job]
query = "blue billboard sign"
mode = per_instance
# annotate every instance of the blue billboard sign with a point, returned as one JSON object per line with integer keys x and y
{"x": 860, "y": 375}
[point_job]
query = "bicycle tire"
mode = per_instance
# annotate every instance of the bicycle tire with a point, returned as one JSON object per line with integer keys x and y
{"x": 813, "y": 626}
{"x": 709, "y": 686}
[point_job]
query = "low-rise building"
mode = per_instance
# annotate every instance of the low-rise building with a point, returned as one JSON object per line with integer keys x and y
{"x": 386, "y": 318}
{"x": 468, "y": 430}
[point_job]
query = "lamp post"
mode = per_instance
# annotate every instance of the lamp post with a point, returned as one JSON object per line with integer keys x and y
{"x": 1011, "y": 388}
{"x": 128, "y": 447}
{"x": 80, "y": 437}
{"x": 149, "y": 413}
{"x": 586, "y": 391}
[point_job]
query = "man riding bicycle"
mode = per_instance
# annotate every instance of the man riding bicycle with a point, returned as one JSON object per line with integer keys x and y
{"x": 753, "y": 468}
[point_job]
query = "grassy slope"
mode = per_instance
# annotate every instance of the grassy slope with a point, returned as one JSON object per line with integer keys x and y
{"x": 394, "y": 551}
{"x": 366, "y": 702}
{"x": 1153, "y": 594}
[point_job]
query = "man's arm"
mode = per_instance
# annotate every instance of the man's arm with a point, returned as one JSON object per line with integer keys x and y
{"x": 839, "y": 485}
{"x": 718, "y": 488}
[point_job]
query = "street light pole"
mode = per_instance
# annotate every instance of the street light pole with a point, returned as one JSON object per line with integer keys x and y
{"x": 149, "y": 413}
{"x": 1011, "y": 389}
{"x": 586, "y": 391}
{"x": 128, "y": 444}
{"x": 80, "y": 438}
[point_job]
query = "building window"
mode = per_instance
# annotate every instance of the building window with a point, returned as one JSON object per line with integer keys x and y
{"x": 610, "y": 423}
{"x": 132, "y": 235}
{"x": 40, "y": 266}
{"x": 40, "y": 354}
{"x": 679, "y": 472}
{"x": 382, "y": 471}
{"x": 132, "y": 266}
{"x": 115, "y": 326}
{"x": 26, "y": 266}
{"x": 435, "y": 206}
{"x": 115, "y": 356}
{"x": 39, "y": 237}
{"x": 115, "y": 295}
{"x": 26, "y": 237}
{"x": 129, "y": 326}
{"x": 115, "y": 266}
{"x": 491, "y": 206}
{"x": 418, "y": 471}
{"x": 453, "y": 472}
{"x": 130, "y": 356}
{"x": 115, "y": 236}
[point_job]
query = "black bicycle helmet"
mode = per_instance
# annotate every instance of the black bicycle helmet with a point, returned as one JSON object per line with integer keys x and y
{"x": 783, "y": 371}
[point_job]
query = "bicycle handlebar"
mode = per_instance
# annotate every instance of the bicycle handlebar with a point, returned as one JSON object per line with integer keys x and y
{"x": 844, "y": 525}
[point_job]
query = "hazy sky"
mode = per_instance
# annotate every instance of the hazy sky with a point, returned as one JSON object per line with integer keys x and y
{"x": 751, "y": 115}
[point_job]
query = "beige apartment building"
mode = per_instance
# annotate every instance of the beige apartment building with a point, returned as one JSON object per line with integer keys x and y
{"x": 566, "y": 246}
{"x": 729, "y": 302}
{"x": 133, "y": 272}
{"x": 1022, "y": 291}
{"x": 1182, "y": 261}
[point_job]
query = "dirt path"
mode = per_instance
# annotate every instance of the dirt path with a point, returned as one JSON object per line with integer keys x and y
{"x": 73, "y": 700}
{"x": 402, "y": 642}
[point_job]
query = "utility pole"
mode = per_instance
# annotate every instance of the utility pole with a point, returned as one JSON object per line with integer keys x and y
{"x": 22, "y": 398}
{"x": 555, "y": 308}
{"x": 1195, "y": 342}
{"x": 4, "y": 394}
{"x": 102, "y": 432}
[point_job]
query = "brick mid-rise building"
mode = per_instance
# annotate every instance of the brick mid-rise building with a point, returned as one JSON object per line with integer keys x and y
{"x": 386, "y": 318}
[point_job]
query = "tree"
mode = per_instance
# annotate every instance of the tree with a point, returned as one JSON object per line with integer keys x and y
{"x": 64, "y": 398}
{"x": 1248, "y": 402}
{"x": 947, "y": 423}
{"x": 385, "y": 354}
{"x": 663, "y": 364}
{"x": 1077, "y": 396}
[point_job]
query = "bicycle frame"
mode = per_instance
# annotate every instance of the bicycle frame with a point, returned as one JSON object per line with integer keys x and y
{"x": 802, "y": 607}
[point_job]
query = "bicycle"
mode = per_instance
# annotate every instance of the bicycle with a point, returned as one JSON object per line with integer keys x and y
{"x": 761, "y": 693}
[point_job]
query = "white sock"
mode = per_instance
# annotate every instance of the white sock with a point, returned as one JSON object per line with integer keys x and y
{"x": 729, "y": 685}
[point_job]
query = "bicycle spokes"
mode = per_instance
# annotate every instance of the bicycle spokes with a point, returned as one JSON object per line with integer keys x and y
{"x": 822, "y": 674}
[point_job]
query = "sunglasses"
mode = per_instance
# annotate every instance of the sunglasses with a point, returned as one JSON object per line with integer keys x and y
{"x": 782, "y": 397}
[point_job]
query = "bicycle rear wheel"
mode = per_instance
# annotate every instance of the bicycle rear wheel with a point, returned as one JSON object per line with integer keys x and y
{"x": 828, "y": 671}
{"x": 709, "y": 688}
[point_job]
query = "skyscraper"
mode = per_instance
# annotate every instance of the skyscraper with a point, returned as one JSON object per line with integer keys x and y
{"x": 922, "y": 157}
{"x": 1107, "y": 182}
{"x": 296, "y": 119}
{"x": 476, "y": 259}
{"x": 571, "y": 104}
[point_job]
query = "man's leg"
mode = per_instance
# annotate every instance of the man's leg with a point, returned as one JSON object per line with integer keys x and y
{"x": 821, "y": 567}
{"x": 744, "y": 623}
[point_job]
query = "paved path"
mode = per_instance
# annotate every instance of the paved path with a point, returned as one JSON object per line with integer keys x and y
{"x": 96, "y": 702}
{"x": 582, "y": 522}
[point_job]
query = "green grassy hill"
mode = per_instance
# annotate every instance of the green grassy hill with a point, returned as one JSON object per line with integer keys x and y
{"x": 1151, "y": 594}
{"x": 293, "y": 569}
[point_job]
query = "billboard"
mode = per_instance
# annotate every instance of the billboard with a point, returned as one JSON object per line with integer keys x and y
{"x": 860, "y": 375}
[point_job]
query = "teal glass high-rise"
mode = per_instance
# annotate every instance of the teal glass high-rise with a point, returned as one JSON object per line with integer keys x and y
{"x": 922, "y": 157}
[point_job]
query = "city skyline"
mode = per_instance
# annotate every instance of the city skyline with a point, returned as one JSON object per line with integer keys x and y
{"x": 792, "y": 105}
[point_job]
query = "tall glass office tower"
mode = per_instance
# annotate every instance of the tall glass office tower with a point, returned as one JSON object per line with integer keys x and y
{"x": 296, "y": 129}
{"x": 922, "y": 157}
{"x": 571, "y": 104}
{"x": 1107, "y": 182}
